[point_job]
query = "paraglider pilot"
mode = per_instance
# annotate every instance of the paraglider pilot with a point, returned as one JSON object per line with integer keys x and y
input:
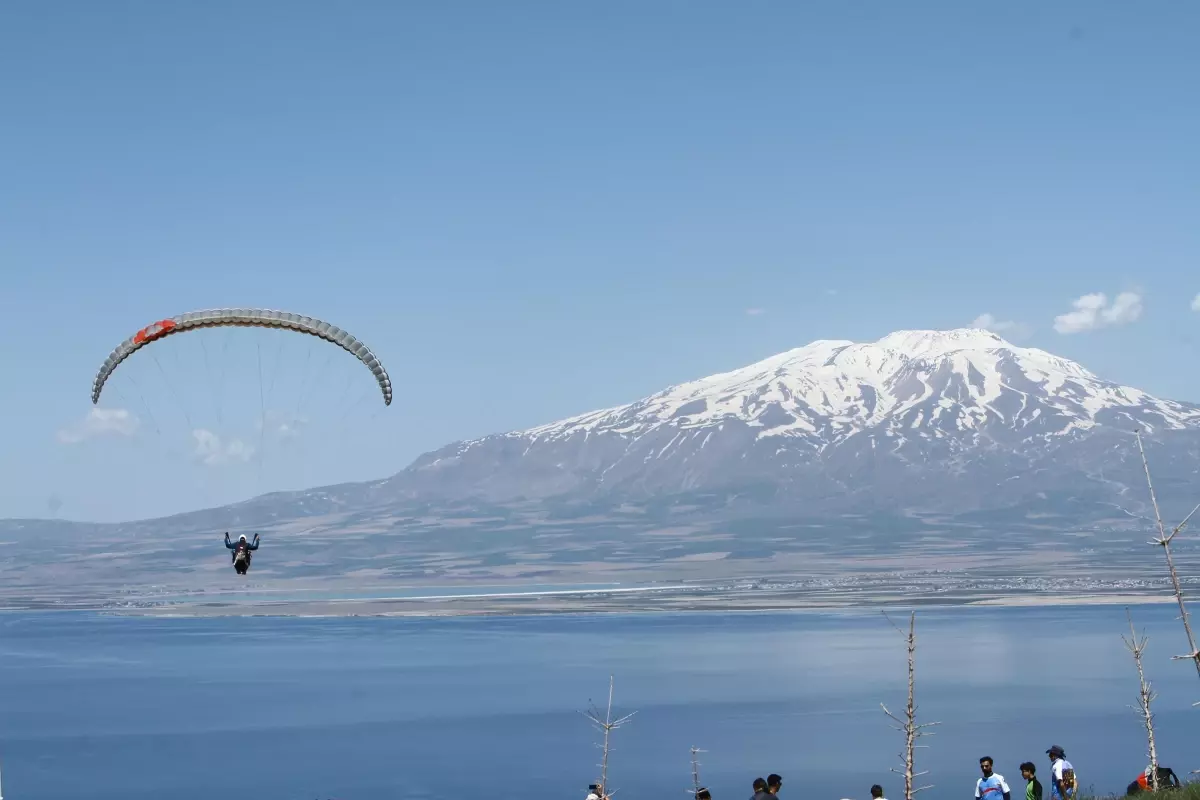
{"x": 241, "y": 552}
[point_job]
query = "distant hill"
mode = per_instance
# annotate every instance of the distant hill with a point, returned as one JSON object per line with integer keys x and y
{"x": 920, "y": 435}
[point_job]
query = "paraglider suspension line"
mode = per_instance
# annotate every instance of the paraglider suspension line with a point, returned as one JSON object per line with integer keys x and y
{"x": 277, "y": 368}
{"x": 303, "y": 382}
{"x": 208, "y": 374}
{"x": 145, "y": 405}
{"x": 262, "y": 422}
{"x": 221, "y": 374}
{"x": 175, "y": 394}
{"x": 308, "y": 385}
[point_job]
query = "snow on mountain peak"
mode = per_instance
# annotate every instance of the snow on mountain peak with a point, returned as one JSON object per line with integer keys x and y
{"x": 918, "y": 420}
{"x": 931, "y": 344}
{"x": 909, "y": 383}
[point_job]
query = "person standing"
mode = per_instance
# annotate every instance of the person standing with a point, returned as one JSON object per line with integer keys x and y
{"x": 1033, "y": 787}
{"x": 1062, "y": 775}
{"x": 991, "y": 786}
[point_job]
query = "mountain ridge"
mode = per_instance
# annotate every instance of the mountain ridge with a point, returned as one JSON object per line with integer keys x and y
{"x": 944, "y": 449}
{"x": 962, "y": 405}
{"x": 830, "y": 427}
{"x": 891, "y": 358}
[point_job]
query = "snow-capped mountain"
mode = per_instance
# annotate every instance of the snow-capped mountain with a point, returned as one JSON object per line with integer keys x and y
{"x": 933, "y": 418}
{"x": 921, "y": 441}
{"x": 907, "y": 384}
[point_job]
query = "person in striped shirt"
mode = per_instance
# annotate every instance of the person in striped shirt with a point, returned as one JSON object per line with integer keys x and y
{"x": 991, "y": 786}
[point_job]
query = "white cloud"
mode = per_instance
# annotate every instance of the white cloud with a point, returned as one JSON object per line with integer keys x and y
{"x": 988, "y": 322}
{"x": 212, "y": 451}
{"x": 755, "y": 312}
{"x": 1012, "y": 328}
{"x": 1196, "y": 302}
{"x": 1093, "y": 311}
{"x": 289, "y": 430}
{"x": 282, "y": 424}
{"x": 100, "y": 422}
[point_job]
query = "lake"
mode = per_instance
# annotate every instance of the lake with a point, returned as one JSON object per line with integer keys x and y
{"x": 114, "y": 707}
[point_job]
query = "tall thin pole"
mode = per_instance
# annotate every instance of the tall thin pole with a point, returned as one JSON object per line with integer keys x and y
{"x": 1164, "y": 541}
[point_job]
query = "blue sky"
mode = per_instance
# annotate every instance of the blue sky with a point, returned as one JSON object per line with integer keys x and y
{"x": 529, "y": 210}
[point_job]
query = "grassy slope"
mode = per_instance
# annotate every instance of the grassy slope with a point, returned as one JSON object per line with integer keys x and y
{"x": 1189, "y": 791}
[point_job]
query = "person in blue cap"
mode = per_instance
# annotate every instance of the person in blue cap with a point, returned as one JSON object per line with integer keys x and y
{"x": 1063, "y": 783}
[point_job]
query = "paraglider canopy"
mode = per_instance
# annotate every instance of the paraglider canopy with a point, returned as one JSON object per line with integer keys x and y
{"x": 241, "y": 382}
{"x": 243, "y": 317}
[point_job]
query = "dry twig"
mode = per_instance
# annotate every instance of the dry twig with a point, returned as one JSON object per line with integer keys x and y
{"x": 908, "y": 726}
{"x": 607, "y": 725}
{"x": 696, "y": 771}
{"x": 1145, "y": 697}
{"x": 1164, "y": 541}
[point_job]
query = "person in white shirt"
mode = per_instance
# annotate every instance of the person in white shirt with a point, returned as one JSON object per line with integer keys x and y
{"x": 877, "y": 792}
{"x": 1062, "y": 775}
{"x": 991, "y": 786}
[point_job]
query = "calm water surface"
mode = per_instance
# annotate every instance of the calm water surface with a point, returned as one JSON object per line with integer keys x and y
{"x": 109, "y": 707}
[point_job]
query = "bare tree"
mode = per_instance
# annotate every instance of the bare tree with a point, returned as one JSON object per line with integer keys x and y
{"x": 695, "y": 771}
{"x": 1164, "y": 541}
{"x": 606, "y": 724}
{"x": 1145, "y": 697}
{"x": 908, "y": 726}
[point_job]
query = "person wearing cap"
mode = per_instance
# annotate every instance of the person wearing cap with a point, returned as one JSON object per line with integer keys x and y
{"x": 774, "y": 784}
{"x": 760, "y": 790}
{"x": 1062, "y": 775}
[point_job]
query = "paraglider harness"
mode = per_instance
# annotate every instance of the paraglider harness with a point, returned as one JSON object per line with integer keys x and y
{"x": 242, "y": 554}
{"x": 241, "y": 559}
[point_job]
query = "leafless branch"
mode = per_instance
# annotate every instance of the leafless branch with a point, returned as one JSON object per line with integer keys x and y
{"x": 695, "y": 771}
{"x": 606, "y": 724}
{"x": 1145, "y": 697}
{"x": 908, "y": 726}
{"x": 1164, "y": 541}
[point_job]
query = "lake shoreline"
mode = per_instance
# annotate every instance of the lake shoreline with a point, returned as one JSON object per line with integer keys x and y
{"x": 550, "y": 604}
